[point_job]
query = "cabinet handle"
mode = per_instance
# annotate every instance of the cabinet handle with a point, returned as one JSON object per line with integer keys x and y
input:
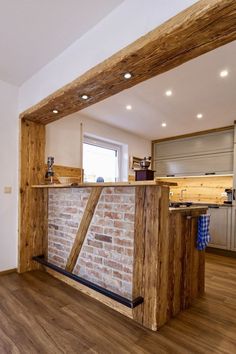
{"x": 209, "y": 173}
{"x": 213, "y": 207}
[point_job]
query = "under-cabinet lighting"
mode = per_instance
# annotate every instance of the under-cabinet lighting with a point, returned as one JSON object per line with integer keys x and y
{"x": 199, "y": 115}
{"x": 128, "y": 75}
{"x": 55, "y": 111}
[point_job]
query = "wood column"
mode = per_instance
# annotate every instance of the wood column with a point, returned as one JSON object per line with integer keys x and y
{"x": 150, "y": 277}
{"x": 33, "y": 202}
{"x": 168, "y": 269}
{"x": 187, "y": 264}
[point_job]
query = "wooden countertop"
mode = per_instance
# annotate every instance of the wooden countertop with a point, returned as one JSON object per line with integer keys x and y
{"x": 190, "y": 208}
{"x": 107, "y": 184}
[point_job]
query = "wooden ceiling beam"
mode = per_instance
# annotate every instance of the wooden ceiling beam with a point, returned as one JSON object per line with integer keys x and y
{"x": 199, "y": 29}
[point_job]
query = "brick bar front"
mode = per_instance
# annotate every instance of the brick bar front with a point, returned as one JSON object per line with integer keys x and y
{"x": 106, "y": 258}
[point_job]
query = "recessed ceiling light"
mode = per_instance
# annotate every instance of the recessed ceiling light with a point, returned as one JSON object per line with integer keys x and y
{"x": 127, "y": 75}
{"x": 55, "y": 111}
{"x": 84, "y": 97}
{"x": 163, "y": 124}
{"x": 224, "y": 73}
{"x": 199, "y": 115}
{"x": 168, "y": 93}
{"x": 129, "y": 107}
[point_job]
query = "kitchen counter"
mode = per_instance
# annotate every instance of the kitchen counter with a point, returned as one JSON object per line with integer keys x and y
{"x": 212, "y": 205}
{"x": 122, "y": 245}
{"x": 189, "y": 208}
{"x": 195, "y": 204}
{"x": 106, "y": 184}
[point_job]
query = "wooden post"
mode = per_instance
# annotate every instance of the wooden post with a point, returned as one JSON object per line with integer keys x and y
{"x": 150, "y": 276}
{"x": 33, "y": 202}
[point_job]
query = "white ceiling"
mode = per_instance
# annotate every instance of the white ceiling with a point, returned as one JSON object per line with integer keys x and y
{"x": 33, "y": 32}
{"x": 197, "y": 88}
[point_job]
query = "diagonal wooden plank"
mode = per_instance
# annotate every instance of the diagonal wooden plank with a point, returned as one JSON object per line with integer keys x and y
{"x": 83, "y": 227}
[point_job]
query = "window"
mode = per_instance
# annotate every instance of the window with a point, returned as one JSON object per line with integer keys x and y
{"x": 101, "y": 159}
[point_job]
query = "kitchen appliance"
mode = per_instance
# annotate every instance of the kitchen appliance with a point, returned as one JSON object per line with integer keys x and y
{"x": 230, "y": 195}
{"x": 144, "y": 174}
{"x": 145, "y": 163}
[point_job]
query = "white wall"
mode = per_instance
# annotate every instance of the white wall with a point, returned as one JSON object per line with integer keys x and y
{"x": 121, "y": 27}
{"x": 8, "y": 175}
{"x": 64, "y": 143}
{"x": 129, "y": 21}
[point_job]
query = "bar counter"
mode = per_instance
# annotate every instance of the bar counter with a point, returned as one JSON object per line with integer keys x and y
{"x": 120, "y": 244}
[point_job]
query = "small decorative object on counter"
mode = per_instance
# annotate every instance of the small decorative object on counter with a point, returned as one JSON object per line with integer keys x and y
{"x": 100, "y": 179}
{"x": 203, "y": 236}
{"x": 50, "y": 173}
{"x": 145, "y": 163}
{"x": 144, "y": 174}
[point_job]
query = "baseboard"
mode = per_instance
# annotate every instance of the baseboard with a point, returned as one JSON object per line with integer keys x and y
{"x": 221, "y": 252}
{"x": 9, "y": 271}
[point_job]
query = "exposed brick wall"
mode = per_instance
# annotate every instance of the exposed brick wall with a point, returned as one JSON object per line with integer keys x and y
{"x": 106, "y": 257}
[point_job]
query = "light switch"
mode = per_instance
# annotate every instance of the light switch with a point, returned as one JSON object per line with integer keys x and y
{"x": 7, "y": 189}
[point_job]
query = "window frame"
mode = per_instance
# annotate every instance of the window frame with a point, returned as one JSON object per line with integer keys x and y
{"x": 100, "y": 142}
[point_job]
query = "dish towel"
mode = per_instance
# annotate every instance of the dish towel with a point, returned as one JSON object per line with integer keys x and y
{"x": 203, "y": 236}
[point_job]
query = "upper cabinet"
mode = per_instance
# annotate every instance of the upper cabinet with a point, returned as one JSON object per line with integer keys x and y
{"x": 197, "y": 155}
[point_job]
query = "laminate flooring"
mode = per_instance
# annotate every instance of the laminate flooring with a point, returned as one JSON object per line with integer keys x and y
{"x": 39, "y": 314}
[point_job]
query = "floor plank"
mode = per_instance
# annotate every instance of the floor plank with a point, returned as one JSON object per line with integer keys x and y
{"x": 39, "y": 314}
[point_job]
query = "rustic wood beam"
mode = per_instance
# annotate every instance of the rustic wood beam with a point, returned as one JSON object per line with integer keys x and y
{"x": 151, "y": 242}
{"x": 33, "y": 203}
{"x": 199, "y": 29}
{"x": 83, "y": 228}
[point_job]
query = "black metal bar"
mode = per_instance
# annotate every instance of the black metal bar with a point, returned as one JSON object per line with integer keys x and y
{"x": 122, "y": 300}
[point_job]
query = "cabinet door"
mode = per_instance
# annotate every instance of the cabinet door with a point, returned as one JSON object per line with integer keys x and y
{"x": 220, "y": 227}
{"x": 194, "y": 166}
{"x": 193, "y": 156}
{"x": 206, "y": 144}
{"x": 233, "y": 238}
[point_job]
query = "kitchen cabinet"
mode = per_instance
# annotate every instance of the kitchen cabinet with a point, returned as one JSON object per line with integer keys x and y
{"x": 196, "y": 155}
{"x": 233, "y": 237}
{"x": 220, "y": 164}
{"x": 220, "y": 227}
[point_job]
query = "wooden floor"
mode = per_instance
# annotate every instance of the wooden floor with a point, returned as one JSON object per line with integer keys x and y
{"x": 38, "y": 314}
